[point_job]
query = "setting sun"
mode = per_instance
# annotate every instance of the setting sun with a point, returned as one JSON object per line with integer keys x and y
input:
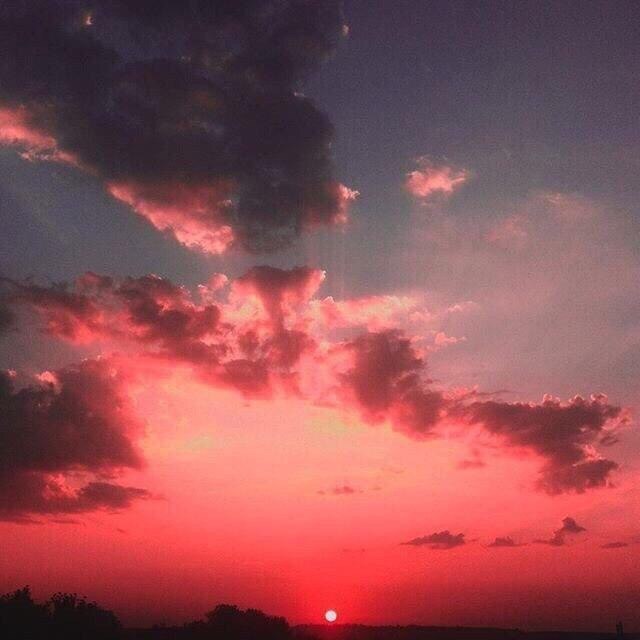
{"x": 330, "y": 615}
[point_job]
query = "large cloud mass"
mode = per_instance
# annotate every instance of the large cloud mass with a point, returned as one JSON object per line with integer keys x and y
{"x": 265, "y": 336}
{"x": 69, "y": 424}
{"x": 187, "y": 111}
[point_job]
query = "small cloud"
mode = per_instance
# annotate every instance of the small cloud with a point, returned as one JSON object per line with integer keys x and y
{"x": 569, "y": 526}
{"x": 22, "y": 520}
{"x": 614, "y": 545}
{"x": 507, "y": 541}
{"x": 440, "y": 540}
{"x": 342, "y": 490}
{"x": 67, "y": 521}
{"x": 441, "y": 340}
{"x": 431, "y": 179}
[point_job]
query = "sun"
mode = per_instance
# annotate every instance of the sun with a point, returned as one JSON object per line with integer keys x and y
{"x": 330, "y": 615}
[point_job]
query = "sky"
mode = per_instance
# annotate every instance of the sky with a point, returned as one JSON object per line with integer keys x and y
{"x": 308, "y": 305}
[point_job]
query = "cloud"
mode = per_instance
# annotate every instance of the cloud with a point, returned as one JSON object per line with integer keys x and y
{"x": 280, "y": 291}
{"x": 108, "y": 495}
{"x": 342, "y": 490}
{"x": 510, "y": 232}
{"x": 67, "y": 314}
{"x": 188, "y": 113}
{"x": 559, "y": 538}
{"x": 376, "y": 313}
{"x": 385, "y": 383}
{"x": 505, "y": 542}
{"x": 440, "y": 540}
{"x": 432, "y": 179}
{"x": 569, "y": 525}
{"x": 564, "y": 434}
{"x": 74, "y": 422}
{"x": 7, "y": 318}
{"x": 261, "y": 335}
{"x": 614, "y": 545}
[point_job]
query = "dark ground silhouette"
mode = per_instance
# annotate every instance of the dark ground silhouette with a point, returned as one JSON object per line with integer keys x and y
{"x": 67, "y": 616}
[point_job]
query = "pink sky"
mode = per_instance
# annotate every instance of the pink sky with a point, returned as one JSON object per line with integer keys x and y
{"x": 311, "y": 305}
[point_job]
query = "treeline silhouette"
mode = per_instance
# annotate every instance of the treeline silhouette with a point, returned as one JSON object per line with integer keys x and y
{"x": 67, "y": 616}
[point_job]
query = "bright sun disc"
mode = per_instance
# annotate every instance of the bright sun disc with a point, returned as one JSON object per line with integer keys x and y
{"x": 330, "y": 616}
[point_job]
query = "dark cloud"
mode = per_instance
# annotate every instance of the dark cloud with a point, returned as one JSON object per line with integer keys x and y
{"x": 280, "y": 290}
{"x": 569, "y": 525}
{"x": 505, "y": 542}
{"x": 7, "y": 318}
{"x": 564, "y": 434}
{"x": 159, "y": 312}
{"x": 107, "y": 495}
{"x": 577, "y": 477}
{"x": 559, "y": 538}
{"x": 439, "y": 540}
{"x": 67, "y": 314}
{"x": 76, "y": 421}
{"x": 614, "y": 545}
{"x": 386, "y": 382}
{"x": 189, "y": 112}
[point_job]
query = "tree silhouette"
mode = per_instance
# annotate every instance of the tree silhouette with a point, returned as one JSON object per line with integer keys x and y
{"x": 72, "y": 617}
{"x": 228, "y": 622}
{"x": 65, "y": 616}
{"x": 20, "y": 617}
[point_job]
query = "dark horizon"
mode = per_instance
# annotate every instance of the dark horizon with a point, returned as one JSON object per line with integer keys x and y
{"x": 68, "y": 613}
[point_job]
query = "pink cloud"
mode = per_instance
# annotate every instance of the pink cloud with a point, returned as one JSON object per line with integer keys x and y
{"x": 373, "y": 312}
{"x": 280, "y": 291}
{"x": 432, "y": 179}
{"x": 510, "y": 232}
{"x": 196, "y": 215}
{"x": 258, "y": 342}
{"x": 17, "y": 129}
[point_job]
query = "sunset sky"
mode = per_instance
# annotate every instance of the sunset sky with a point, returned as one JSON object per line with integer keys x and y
{"x": 307, "y": 305}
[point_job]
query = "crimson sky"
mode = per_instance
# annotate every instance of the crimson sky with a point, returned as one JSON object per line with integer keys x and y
{"x": 310, "y": 306}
